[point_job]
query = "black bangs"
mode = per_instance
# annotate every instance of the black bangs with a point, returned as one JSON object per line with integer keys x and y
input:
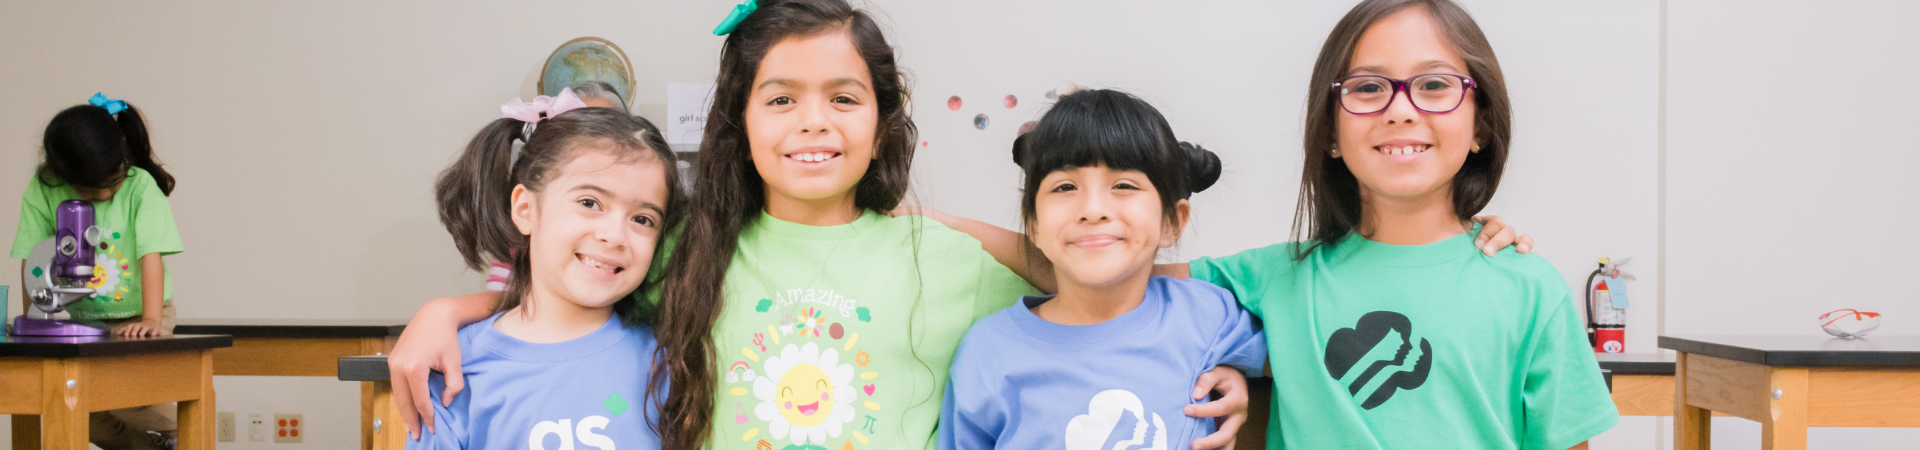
{"x": 1109, "y": 128}
{"x": 1105, "y": 127}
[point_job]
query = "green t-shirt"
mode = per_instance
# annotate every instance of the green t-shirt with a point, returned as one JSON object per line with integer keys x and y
{"x": 136, "y": 222}
{"x": 1380, "y": 346}
{"x": 841, "y": 336}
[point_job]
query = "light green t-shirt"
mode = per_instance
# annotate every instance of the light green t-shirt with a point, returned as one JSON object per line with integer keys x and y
{"x": 1380, "y": 346}
{"x": 136, "y": 222}
{"x": 840, "y": 337}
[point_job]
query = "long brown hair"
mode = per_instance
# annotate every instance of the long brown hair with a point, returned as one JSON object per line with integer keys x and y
{"x": 731, "y": 195}
{"x": 1329, "y": 206}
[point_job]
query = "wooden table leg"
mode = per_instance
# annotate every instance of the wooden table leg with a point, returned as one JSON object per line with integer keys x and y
{"x": 1786, "y": 429}
{"x": 197, "y": 416}
{"x": 26, "y": 432}
{"x": 1690, "y": 423}
{"x": 63, "y": 418}
{"x": 380, "y": 428}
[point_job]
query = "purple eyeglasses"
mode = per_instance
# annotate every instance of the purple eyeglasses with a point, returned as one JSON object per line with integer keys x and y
{"x": 1434, "y": 93}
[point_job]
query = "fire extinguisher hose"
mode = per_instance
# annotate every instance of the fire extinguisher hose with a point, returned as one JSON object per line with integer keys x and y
{"x": 1593, "y": 339}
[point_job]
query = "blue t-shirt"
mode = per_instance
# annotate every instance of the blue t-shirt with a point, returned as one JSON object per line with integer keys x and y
{"x": 1020, "y": 381}
{"x": 585, "y": 393}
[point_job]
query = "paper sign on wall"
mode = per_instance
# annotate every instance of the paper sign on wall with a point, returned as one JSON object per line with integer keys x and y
{"x": 687, "y": 105}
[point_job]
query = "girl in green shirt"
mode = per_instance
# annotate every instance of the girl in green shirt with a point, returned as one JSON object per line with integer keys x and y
{"x": 99, "y": 152}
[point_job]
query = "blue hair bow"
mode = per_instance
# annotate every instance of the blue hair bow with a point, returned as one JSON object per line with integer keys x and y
{"x": 112, "y": 106}
{"x": 739, "y": 14}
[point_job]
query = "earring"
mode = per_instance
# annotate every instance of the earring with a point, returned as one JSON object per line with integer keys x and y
{"x": 1334, "y": 151}
{"x": 1476, "y": 148}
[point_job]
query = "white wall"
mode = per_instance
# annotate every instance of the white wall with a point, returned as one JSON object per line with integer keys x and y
{"x": 306, "y": 135}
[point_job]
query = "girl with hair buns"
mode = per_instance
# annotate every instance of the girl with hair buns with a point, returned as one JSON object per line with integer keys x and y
{"x": 1106, "y": 189}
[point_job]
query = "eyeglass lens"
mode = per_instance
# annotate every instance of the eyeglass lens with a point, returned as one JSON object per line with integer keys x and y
{"x": 1430, "y": 93}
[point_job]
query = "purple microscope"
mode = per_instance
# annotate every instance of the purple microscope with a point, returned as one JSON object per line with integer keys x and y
{"x": 57, "y": 274}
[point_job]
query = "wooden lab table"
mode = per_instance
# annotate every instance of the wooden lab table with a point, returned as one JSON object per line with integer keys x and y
{"x": 308, "y": 348}
{"x": 52, "y": 383}
{"x": 1642, "y": 383}
{"x": 1789, "y": 383}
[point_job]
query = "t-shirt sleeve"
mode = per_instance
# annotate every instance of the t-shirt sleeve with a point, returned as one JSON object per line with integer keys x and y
{"x": 1240, "y": 343}
{"x": 1245, "y": 274}
{"x": 972, "y": 416}
{"x": 999, "y": 286}
{"x": 153, "y": 227}
{"x": 448, "y": 434}
{"x": 36, "y": 221}
{"x": 1565, "y": 398}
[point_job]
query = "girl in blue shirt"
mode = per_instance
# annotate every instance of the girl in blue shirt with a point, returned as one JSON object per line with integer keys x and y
{"x": 575, "y": 198}
{"x": 1102, "y": 362}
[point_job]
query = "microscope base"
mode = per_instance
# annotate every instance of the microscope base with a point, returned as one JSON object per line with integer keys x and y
{"x": 27, "y": 326}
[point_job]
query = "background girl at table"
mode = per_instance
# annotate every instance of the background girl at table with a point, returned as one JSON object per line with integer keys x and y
{"x": 576, "y": 198}
{"x": 99, "y": 152}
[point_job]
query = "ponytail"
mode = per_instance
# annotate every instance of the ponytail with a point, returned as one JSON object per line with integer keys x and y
{"x": 475, "y": 195}
{"x": 140, "y": 149}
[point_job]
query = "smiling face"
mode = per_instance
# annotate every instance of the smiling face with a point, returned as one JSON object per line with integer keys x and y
{"x": 806, "y": 395}
{"x": 593, "y": 227}
{"x": 1101, "y": 226}
{"x": 1402, "y": 152}
{"x": 810, "y": 119}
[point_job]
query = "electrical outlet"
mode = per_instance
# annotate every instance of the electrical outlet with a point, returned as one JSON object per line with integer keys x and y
{"x": 286, "y": 428}
{"x": 225, "y": 427}
{"x": 257, "y": 427}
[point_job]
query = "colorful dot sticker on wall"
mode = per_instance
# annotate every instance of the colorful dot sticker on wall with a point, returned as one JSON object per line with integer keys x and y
{"x": 953, "y": 103}
{"x": 1012, "y": 101}
{"x": 980, "y": 121}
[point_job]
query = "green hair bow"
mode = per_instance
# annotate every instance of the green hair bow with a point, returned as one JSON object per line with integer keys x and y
{"x": 738, "y": 15}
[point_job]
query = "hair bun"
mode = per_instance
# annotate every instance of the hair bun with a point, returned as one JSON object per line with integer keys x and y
{"x": 1203, "y": 167}
{"x": 1020, "y": 151}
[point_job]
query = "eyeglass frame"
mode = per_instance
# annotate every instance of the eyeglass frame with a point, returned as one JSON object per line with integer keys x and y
{"x": 1399, "y": 86}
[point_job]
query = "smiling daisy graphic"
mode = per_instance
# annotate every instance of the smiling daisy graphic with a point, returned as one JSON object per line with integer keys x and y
{"x": 806, "y": 395}
{"x": 110, "y": 275}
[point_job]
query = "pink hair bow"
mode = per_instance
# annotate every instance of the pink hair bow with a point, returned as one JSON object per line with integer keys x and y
{"x": 542, "y": 107}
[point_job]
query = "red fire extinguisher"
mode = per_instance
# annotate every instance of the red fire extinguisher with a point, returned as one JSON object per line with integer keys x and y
{"x": 1607, "y": 307}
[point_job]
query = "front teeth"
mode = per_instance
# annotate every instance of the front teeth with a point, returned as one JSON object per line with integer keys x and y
{"x": 812, "y": 157}
{"x": 599, "y": 265}
{"x": 1405, "y": 150}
